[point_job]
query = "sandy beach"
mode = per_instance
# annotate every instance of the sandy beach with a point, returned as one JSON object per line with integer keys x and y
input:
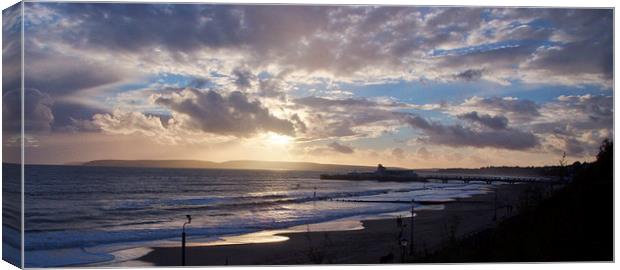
{"x": 377, "y": 242}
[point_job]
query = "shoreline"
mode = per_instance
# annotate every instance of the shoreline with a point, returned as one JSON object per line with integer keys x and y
{"x": 376, "y": 242}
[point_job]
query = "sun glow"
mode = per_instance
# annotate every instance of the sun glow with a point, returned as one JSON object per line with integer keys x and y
{"x": 277, "y": 139}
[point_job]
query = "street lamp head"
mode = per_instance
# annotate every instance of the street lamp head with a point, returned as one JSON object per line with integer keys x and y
{"x": 404, "y": 242}
{"x": 189, "y": 219}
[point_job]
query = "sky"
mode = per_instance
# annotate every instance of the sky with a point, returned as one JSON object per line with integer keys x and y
{"x": 417, "y": 87}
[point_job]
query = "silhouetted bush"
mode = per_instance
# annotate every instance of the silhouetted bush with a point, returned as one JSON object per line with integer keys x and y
{"x": 575, "y": 224}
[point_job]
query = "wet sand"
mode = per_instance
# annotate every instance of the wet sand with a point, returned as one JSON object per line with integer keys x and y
{"x": 377, "y": 242}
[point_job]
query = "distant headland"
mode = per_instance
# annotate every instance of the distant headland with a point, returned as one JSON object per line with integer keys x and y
{"x": 319, "y": 167}
{"x": 233, "y": 164}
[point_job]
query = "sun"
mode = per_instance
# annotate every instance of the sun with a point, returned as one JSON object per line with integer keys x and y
{"x": 277, "y": 139}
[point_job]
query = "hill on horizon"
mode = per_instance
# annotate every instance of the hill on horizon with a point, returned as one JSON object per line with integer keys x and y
{"x": 312, "y": 166}
{"x": 233, "y": 164}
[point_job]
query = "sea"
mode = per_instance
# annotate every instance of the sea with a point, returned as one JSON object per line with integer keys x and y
{"x": 80, "y": 215}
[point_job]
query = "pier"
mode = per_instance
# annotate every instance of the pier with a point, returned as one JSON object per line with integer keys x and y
{"x": 446, "y": 178}
{"x": 383, "y": 174}
{"x": 488, "y": 179}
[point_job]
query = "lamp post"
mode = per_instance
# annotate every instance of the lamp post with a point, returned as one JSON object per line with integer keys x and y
{"x": 495, "y": 206}
{"x": 314, "y": 195}
{"x": 403, "y": 248}
{"x": 411, "y": 234}
{"x": 189, "y": 220}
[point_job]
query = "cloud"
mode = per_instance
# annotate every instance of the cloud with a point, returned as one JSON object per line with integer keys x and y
{"x": 327, "y": 150}
{"x": 199, "y": 83}
{"x": 330, "y": 118}
{"x": 72, "y": 85}
{"x": 192, "y": 116}
{"x": 494, "y": 122}
{"x": 575, "y": 62}
{"x": 243, "y": 78}
{"x": 11, "y": 112}
{"x": 424, "y": 153}
{"x": 11, "y": 48}
{"x": 271, "y": 88}
{"x": 265, "y": 60}
{"x": 597, "y": 108}
{"x": 469, "y": 75}
{"x": 399, "y": 153}
{"x": 37, "y": 111}
{"x": 459, "y": 136}
{"x": 324, "y": 103}
{"x": 575, "y": 58}
{"x": 232, "y": 114}
{"x": 126, "y": 123}
{"x": 183, "y": 28}
{"x": 573, "y": 147}
{"x": 299, "y": 124}
{"x": 353, "y": 115}
{"x": 571, "y": 114}
{"x": 575, "y": 124}
{"x": 340, "y": 148}
{"x": 61, "y": 75}
{"x": 514, "y": 109}
{"x": 346, "y": 43}
{"x": 38, "y": 116}
{"x": 74, "y": 117}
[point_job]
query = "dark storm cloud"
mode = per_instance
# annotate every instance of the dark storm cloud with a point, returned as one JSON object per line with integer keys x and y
{"x": 586, "y": 41}
{"x": 459, "y": 136}
{"x": 469, "y": 75}
{"x": 516, "y": 108}
{"x": 37, "y": 111}
{"x": 38, "y": 115}
{"x": 232, "y": 114}
{"x": 581, "y": 24}
{"x": 340, "y": 148}
{"x": 129, "y": 27}
{"x": 583, "y": 57}
{"x": 243, "y": 78}
{"x": 199, "y": 82}
{"x": 11, "y": 111}
{"x": 494, "y": 122}
{"x": 61, "y": 75}
{"x": 73, "y": 117}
